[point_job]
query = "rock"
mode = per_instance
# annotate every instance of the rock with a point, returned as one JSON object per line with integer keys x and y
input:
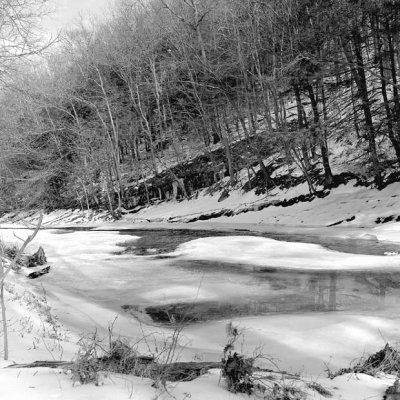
{"x": 36, "y": 274}
{"x": 393, "y": 392}
{"x": 224, "y": 195}
{"x": 38, "y": 258}
{"x": 335, "y": 223}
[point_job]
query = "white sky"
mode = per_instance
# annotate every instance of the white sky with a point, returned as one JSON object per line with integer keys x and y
{"x": 67, "y": 13}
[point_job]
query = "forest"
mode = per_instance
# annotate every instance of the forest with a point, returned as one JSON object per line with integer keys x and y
{"x": 166, "y": 97}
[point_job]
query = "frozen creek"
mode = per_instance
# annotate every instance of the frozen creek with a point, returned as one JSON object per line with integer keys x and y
{"x": 307, "y": 300}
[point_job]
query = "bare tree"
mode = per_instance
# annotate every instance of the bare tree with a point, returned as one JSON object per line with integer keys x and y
{"x": 4, "y": 271}
{"x": 19, "y": 31}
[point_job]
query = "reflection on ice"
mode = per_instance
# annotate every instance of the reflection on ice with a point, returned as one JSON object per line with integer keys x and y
{"x": 274, "y": 293}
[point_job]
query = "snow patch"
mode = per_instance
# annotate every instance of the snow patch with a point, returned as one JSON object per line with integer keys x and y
{"x": 263, "y": 252}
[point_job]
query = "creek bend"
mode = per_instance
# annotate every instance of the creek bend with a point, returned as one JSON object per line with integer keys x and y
{"x": 142, "y": 280}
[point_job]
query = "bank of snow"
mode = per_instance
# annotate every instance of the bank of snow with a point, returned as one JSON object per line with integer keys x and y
{"x": 264, "y": 252}
{"x": 46, "y": 384}
{"x": 388, "y": 232}
{"x": 346, "y": 205}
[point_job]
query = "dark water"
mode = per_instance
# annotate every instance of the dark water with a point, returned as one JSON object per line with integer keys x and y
{"x": 164, "y": 241}
{"x": 243, "y": 291}
{"x": 277, "y": 292}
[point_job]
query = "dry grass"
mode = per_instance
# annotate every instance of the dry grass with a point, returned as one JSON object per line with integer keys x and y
{"x": 385, "y": 361}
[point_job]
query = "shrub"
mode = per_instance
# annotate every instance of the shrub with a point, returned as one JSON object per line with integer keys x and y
{"x": 10, "y": 250}
{"x": 237, "y": 370}
{"x": 386, "y": 360}
{"x": 86, "y": 367}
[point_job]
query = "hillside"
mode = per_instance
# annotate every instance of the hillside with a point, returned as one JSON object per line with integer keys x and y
{"x": 169, "y": 98}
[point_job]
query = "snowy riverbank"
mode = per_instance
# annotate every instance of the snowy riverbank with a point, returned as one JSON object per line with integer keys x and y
{"x": 345, "y": 207}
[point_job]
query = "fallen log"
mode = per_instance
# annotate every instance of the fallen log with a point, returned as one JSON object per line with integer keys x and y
{"x": 44, "y": 364}
{"x": 138, "y": 366}
{"x": 36, "y": 274}
{"x": 181, "y": 371}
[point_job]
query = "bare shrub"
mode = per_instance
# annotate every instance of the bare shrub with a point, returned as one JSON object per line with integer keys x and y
{"x": 237, "y": 370}
{"x": 86, "y": 367}
{"x": 9, "y": 252}
{"x": 386, "y": 360}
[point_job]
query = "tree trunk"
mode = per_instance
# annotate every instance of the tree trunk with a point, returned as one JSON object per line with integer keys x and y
{"x": 320, "y": 138}
{"x": 3, "y": 315}
{"x": 396, "y": 99}
{"x": 358, "y": 72}
{"x": 389, "y": 118}
{"x": 301, "y": 125}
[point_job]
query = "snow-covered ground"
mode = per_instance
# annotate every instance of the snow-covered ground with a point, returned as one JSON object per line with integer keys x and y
{"x": 266, "y": 252}
{"x": 347, "y": 205}
{"x": 48, "y": 316}
{"x": 45, "y": 383}
{"x": 362, "y": 205}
